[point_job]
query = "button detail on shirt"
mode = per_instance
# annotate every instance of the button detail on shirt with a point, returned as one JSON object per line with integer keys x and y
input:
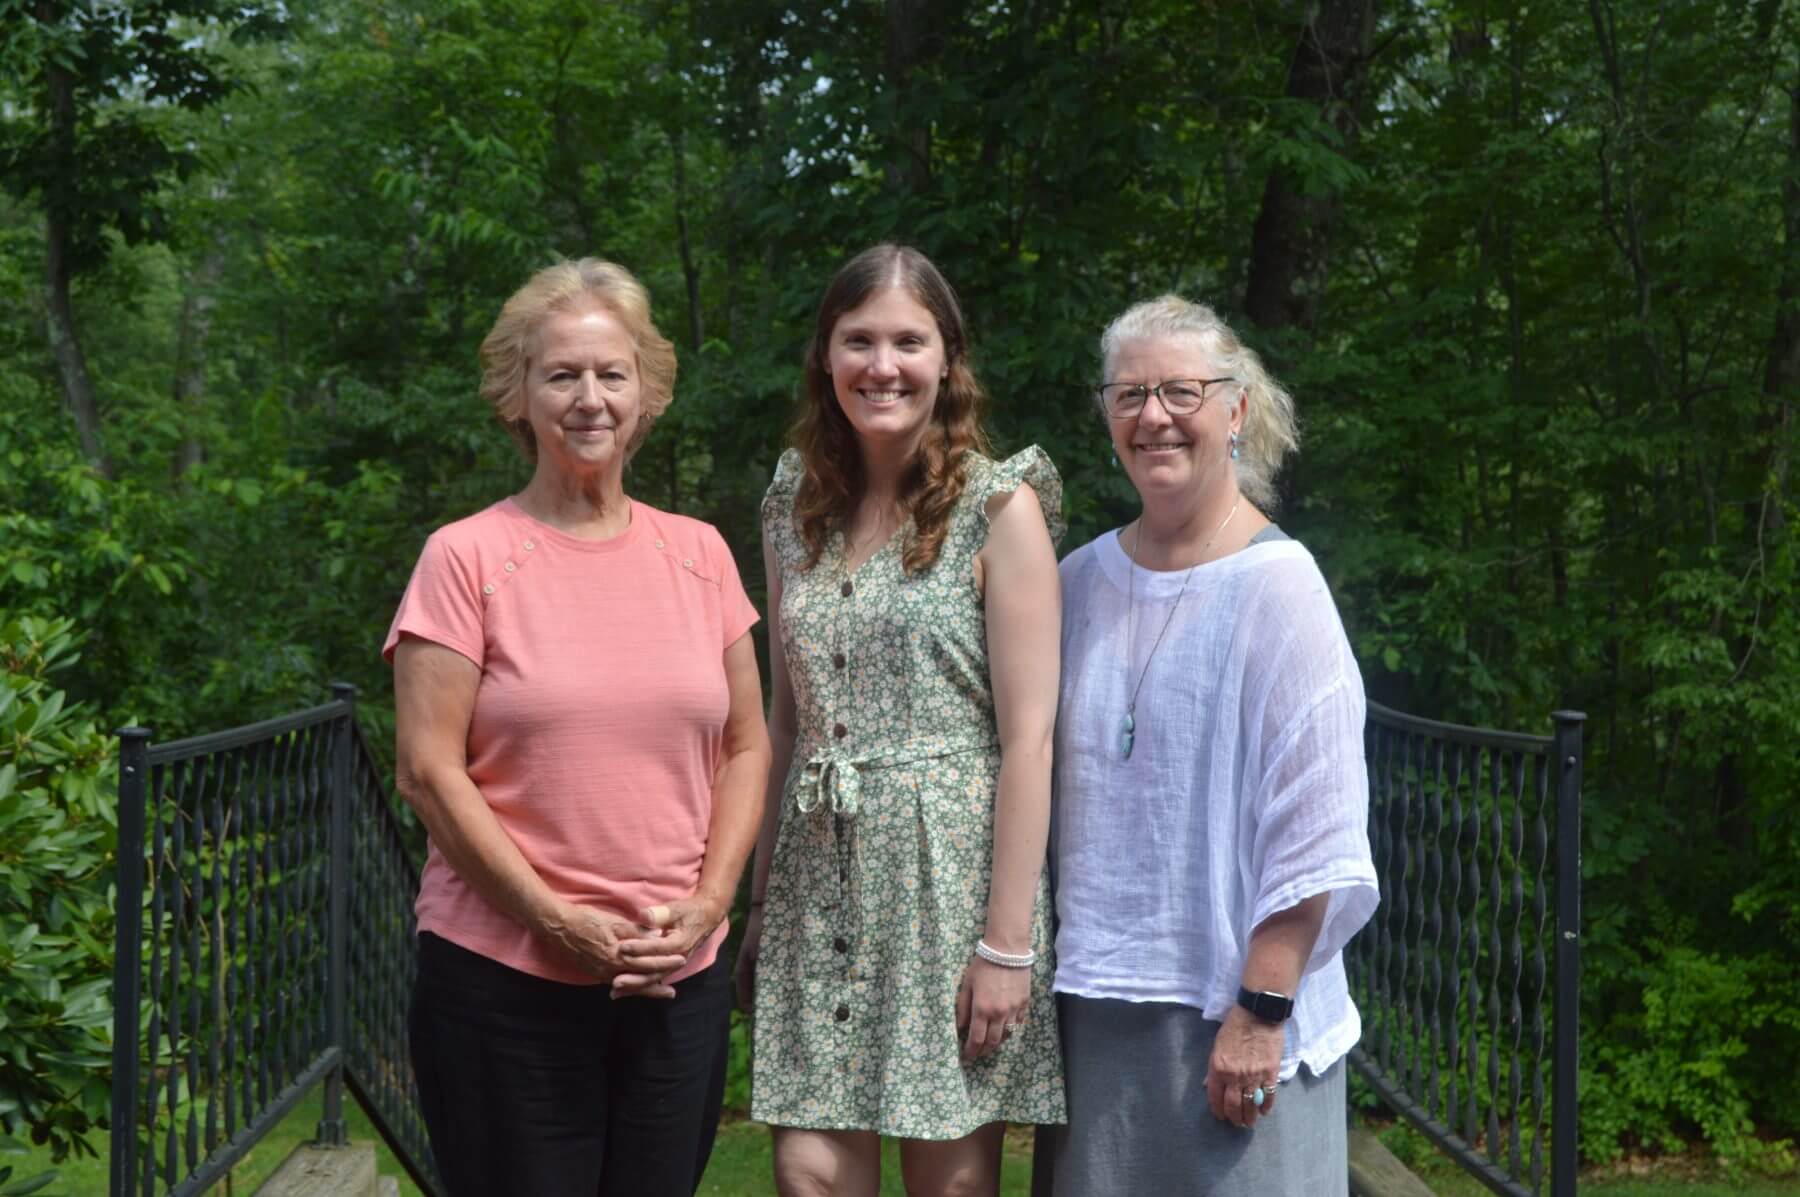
{"x": 688, "y": 562}
{"x": 659, "y": 544}
{"x": 840, "y": 731}
{"x": 488, "y": 589}
{"x": 843, "y": 1014}
{"x": 846, "y": 588}
{"x": 510, "y": 567}
{"x": 837, "y": 660}
{"x": 840, "y": 945}
{"x": 530, "y": 545}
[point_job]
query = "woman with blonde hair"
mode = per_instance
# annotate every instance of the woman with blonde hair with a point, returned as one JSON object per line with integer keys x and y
{"x": 898, "y": 940}
{"x": 580, "y": 729}
{"x": 1211, "y": 848}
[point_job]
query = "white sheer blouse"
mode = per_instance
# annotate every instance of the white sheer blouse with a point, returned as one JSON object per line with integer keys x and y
{"x": 1244, "y": 794}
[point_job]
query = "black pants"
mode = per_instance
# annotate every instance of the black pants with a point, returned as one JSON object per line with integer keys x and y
{"x": 539, "y": 1089}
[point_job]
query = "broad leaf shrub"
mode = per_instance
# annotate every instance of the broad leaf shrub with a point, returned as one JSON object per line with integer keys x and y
{"x": 58, "y": 838}
{"x": 1692, "y": 1060}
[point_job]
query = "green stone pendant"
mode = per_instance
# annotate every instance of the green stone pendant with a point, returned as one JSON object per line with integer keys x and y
{"x": 1126, "y": 727}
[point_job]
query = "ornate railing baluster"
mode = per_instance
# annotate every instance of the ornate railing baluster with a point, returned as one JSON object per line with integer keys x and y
{"x": 1515, "y": 956}
{"x": 1450, "y": 770}
{"x": 213, "y": 933}
{"x": 1496, "y": 912}
{"x": 1471, "y": 756}
{"x": 1536, "y": 973}
{"x": 227, "y": 1017}
{"x": 1451, "y": 974}
{"x": 1431, "y": 774}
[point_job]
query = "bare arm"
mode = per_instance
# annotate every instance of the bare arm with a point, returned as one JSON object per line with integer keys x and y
{"x": 434, "y": 695}
{"x": 781, "y": 731}
{"x": 1281, "y": 945}
{"x": 736, "y": 816}
{"x": 1017, "y": 568}
{"x": 743, "y": 780}
{"x": 1247, "y": 1051}
{"x": 781, "y": 757}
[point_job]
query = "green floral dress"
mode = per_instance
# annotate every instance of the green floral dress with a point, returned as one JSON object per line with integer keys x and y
{"x": 879, "y": 883}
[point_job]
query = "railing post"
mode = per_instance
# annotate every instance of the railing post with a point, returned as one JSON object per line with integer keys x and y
{"x": 128, "y": 945}
{"x": 332, "y": 1129}
{"x": 1566, "y": 1124}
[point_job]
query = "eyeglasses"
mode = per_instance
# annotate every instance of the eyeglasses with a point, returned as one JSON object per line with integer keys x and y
{"x": 1179, "y": 396}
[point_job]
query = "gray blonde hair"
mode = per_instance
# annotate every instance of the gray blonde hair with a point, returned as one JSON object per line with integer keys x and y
{"x": 1271, "y": 429}
{"x": 506, "y": 350}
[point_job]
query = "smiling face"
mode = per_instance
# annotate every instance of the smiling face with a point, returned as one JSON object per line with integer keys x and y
{"x": 1175, "y": 458}
{"x": 583, "y": 393}
{"x": 886, "y": 361}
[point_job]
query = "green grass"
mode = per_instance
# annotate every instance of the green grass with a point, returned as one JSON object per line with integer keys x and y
{"x": 740, "y": 1160}
{"x": 1688, "y": 1178}
{"x": 741, "y": 1166}
{"x": 88, "y": 1177}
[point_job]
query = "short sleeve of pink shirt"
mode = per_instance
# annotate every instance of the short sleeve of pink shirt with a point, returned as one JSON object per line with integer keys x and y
{"x": 599, "y": 718}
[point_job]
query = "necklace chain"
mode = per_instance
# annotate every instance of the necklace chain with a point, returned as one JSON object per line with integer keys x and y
{"x": 1128, "y": 725}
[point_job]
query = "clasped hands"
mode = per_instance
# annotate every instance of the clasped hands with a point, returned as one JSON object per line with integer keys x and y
{"x": 637, "y": 958}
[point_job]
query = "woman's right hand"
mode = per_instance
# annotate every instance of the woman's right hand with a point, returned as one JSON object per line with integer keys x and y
{"x": 591, "y": 938}
{"x": 744, "y": 974}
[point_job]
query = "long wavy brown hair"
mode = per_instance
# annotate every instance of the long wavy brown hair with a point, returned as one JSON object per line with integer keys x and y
{"x": 834, "y": 480}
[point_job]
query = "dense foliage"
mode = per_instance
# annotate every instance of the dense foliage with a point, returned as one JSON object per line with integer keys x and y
{"x": 1532, "y": 270}
{"x": 56, "y": 856}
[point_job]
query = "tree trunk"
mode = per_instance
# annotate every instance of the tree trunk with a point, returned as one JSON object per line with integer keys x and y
{"x": 59, "y": 315}
{"x": 1781, "y": 375}
{"x": 190, "y": 362}
{"x": 690, "y": 270}
{"x": 909, "y": 44}
{"x": 1291, "y": 241}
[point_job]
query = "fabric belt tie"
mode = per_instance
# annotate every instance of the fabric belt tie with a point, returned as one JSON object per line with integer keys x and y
{"x": 832, "y": 776}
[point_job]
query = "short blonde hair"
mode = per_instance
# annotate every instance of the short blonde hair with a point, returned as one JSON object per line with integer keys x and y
{"x": 1271, "y": 428}
{"x": 506, "y": 350}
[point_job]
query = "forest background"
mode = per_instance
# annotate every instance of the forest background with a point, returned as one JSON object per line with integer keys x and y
{"x": 1532, "y": 271}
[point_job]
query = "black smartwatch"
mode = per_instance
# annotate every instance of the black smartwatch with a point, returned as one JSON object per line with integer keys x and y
{"x": 1267, "y": 1005}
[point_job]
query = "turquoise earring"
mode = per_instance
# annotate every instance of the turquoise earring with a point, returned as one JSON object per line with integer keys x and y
{"x": 1234, "y": 447}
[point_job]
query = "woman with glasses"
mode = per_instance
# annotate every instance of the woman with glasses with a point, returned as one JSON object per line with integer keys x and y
{"x": 899, "y": 936}
{"x": 1210, "y": 849}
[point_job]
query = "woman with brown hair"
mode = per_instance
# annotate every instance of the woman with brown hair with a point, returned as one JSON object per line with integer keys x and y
{"x": 899, "y": 939}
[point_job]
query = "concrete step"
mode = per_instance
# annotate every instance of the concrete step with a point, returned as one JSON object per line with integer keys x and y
{"x": 315, "y": 1171}
{"x": 389, "y": 1186}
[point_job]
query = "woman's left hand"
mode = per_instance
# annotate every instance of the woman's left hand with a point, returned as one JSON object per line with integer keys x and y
{"x": 991, "y": 1003}
{"x": 1246, "y": 1056}
{"x": 675, "y": 929}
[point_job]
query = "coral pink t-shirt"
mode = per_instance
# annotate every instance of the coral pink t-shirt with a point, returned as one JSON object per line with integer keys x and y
{"x": 597, "y": 727}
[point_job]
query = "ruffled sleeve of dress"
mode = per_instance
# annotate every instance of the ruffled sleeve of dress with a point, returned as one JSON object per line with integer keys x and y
{"x": 778, "y": 500}
{"x": 1028, "y": 466}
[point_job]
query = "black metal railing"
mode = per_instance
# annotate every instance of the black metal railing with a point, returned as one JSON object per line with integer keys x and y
{"x": 264, "y": 947}
{"x": 1468, "y": 975}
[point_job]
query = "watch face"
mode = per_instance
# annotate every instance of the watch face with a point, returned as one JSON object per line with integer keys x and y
{"x": 1268, "y": 1006}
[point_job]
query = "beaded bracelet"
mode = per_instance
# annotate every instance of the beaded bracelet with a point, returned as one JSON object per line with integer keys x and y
{"x": 1004, "y": 959}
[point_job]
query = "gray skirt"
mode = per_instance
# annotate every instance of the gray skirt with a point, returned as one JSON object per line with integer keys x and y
{"x": 1139, "y": 1122}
